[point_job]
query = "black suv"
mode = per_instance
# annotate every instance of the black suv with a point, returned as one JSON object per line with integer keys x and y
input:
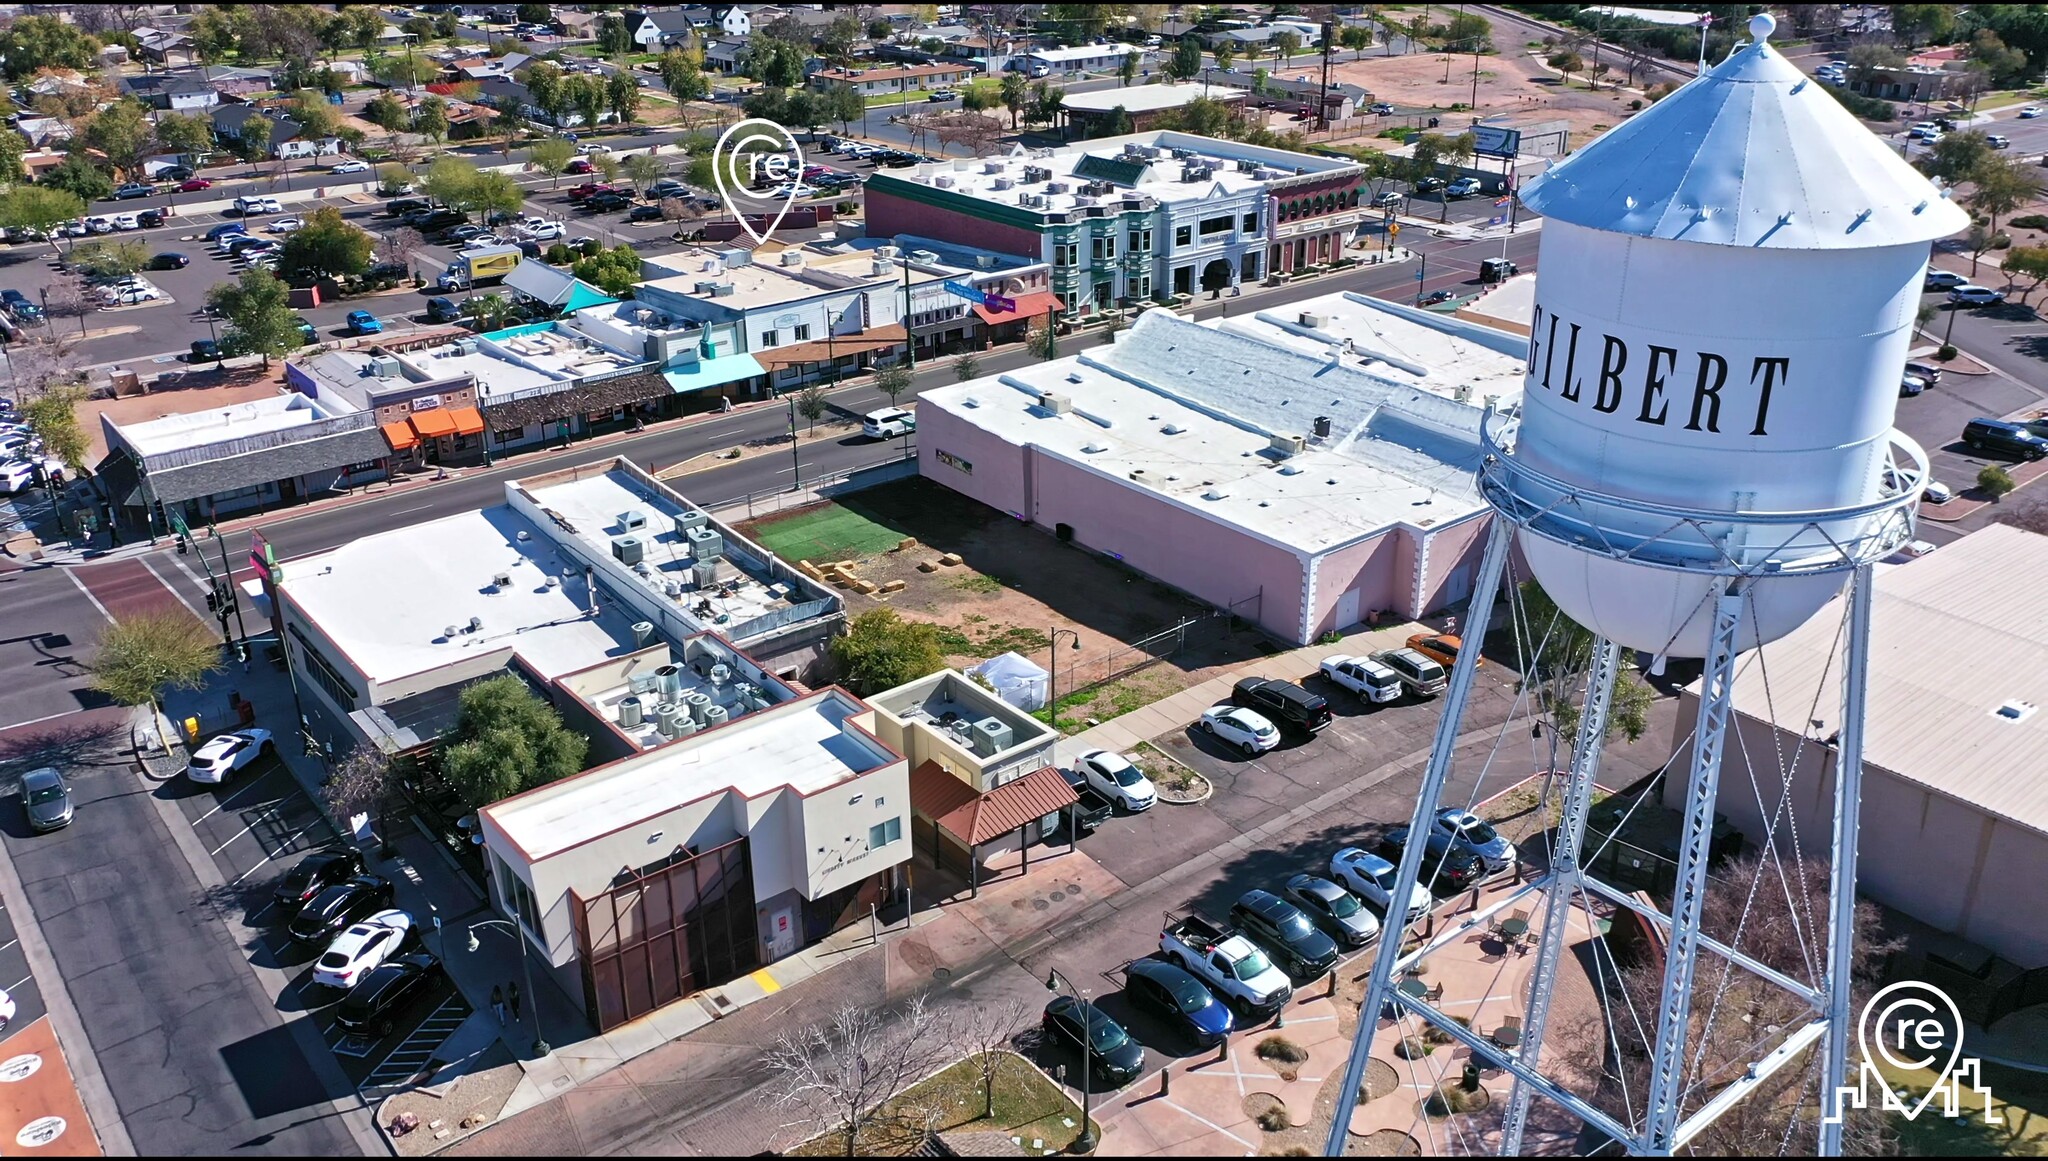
{"x": 607, "y": 202}
{"x": 1449, "y": 865}
{"x": 1305, "y": 952}
{"x": 338, "y": 906}
{"x": 2007, "y": 439}
{"x": 1287, "y": 705}
{"x": 373, "y": 1005}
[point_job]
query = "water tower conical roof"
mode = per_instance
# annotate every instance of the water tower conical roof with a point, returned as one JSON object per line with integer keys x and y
{"x": 1753, "y": 153}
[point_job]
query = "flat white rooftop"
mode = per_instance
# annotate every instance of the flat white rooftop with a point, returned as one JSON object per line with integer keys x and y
{"x": 215, "y": 424}
{"x": 1399, "y": 346}
{"x": 494, "y": 376}
{"x": 1153, "y": 172}
{"x": 565, "y": 354}
{"x": 594, "y": 504}
{"x": 1148, "y": 98}
{"x": 1190, "y": 412}
{"x": 388, "y": 600}
{"x": 804, "y": 745}
{"x": 766, "y": 281}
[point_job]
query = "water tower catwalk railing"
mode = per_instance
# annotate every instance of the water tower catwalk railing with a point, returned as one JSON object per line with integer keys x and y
{"x": 1732, "y": 552}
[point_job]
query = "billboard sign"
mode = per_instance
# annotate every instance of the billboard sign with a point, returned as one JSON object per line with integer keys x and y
{"x": 1496, "y": 141}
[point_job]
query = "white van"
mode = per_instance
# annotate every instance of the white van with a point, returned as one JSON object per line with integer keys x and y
{"x": 888, "y": 423}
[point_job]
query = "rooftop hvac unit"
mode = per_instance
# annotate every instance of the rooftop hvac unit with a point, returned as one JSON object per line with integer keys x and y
{"x": 697, "y": 702}
{"x": 943, "y": 181}
{"x": 476, "y": 624}
{"x": 384, "y": 366}
{"x": 722, "y": 290}
{"x": 629, "y": 712}
{"x": 1031, "y": 201}
{"x": 925, "y": 256}
{"x": 465, "y": 346}
{"x": 685, "y": 725}
{"x": 992, "y": 166}
{"x": 991, "y": 736}
{"x": 705, "y": 544}
{"x": 1289, "y": 445}
{"x": 668, "y": 681}
{"x": 792, "y": 258}
{"x": 665, "y": 720}
{"x": 1312, "y": 320}
{"x": 643, "y": 683}
{"x": 1003, "y": 183}
{"x": 1082, "y": 199}
{"x": 1462, "y": 393}
{"x": 1247, "y": 165}
{"x": 705, "y": 574}
{"x": 643, "y": 632}
{"x": 502, "y": 581}
{"x": 883, "y": 267}
{"x": 985, "y": 261}
{"x": 736, "y": 257}
{"x": 720, "y": 674}
{"x": 715, "y": 715}
{"x": 1056, "y": 403}
{"x": 627, "y": 549}
{"x": 704, "y": 288}
{"x": 688, "y": 520}
{"x": 672, "y": 589}
{"x": 1057, "y": 187}
{"x": 632, "y": 520}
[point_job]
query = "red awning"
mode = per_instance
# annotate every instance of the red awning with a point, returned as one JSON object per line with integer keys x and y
{"x": 400, "y": 436}
{"x": 1033, "y": 305}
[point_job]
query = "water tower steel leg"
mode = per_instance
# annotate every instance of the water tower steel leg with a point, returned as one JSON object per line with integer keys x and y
{"x": 1842, "y": 869}
{"x": 1563, "y": 884}
{"x": 1667, "y": 1062}
{"x": 1485, "y": 590}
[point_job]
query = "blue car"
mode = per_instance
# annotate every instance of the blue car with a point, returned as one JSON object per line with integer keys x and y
{"x": 362, "y": 322}
{"x": 1180, "y": 999}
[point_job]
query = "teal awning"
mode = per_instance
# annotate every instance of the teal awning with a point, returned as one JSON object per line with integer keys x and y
{"x": 713, "y": 373}
{"x": 584, "y": 294}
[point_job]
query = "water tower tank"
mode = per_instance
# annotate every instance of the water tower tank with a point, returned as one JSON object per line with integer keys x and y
{"x": 1726, "y": 293}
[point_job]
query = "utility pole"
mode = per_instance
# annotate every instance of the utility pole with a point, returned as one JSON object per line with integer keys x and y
{"x": 796, "y": 460}
{"x": 1323, "y": 96}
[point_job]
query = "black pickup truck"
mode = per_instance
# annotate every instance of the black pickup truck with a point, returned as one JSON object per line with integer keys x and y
{"x": 1090, "y": 812}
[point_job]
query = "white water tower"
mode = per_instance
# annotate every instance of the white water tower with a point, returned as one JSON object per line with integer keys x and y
{"x": 1702, "y": 458}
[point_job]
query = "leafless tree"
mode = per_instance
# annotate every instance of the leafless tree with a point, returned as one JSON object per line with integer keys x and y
{"x": 972, "y": 130}
{"x": 400, "y": 244}
{"x": 45, "y": 361}
{"x": 360, "y": 784}
{"x": 1738, "y": 1017}
{"x": 986, "y": 1032}
{"x": 837, "y": 1077}
{"x": 680, "y": 210}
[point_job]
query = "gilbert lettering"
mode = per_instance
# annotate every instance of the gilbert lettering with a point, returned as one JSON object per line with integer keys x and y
{"x": 1653, "y": 377}
{"x": 1613, "y": 359}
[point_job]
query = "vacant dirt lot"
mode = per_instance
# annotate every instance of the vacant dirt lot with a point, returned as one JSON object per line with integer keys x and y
{"x": 1014, "y": 588}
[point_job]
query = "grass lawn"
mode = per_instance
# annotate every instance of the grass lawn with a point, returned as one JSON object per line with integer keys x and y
{"x": 1028, "y": 1107}
{"x": 2015, "y": 1096}
{"x": 825, "y": 533}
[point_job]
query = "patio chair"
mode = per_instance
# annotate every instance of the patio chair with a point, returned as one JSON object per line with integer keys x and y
{"x": 1434, "y": 995}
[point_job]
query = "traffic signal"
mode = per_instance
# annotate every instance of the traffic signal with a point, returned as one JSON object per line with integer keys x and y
{"x": 213, "y": 598}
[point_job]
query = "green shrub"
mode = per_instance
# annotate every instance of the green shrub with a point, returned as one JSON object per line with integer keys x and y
{"x": 2029, "y": 221}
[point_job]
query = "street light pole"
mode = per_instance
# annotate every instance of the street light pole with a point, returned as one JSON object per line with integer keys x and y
{"x": 1085, "y": 1143}
{"x": 796, "y": 460}
{"x": 1052, "y": 676}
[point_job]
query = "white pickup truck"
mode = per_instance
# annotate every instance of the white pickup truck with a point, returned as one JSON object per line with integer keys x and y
{"x": 1233, "y": 966}
{"x": 1363, "y": 676}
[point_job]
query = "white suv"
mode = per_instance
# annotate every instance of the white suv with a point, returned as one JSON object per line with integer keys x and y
{"x": 888, "y": 423}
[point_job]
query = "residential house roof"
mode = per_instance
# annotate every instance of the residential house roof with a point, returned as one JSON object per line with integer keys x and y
{"x": 182, "y": 82}
{"x": 673, "y": 20}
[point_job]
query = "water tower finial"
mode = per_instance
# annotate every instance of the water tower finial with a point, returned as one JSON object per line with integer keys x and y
{"x": 1761, "y": 26}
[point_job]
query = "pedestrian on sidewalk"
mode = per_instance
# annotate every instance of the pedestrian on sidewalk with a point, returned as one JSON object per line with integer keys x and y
{"x": 498, "y": 1002}
{"x": 512, "y": 997}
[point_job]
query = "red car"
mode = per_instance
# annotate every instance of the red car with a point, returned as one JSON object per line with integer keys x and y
{"x": 580, "y": 166}
{"x": 589, "y": 189}
{"x": 193, "y": 185}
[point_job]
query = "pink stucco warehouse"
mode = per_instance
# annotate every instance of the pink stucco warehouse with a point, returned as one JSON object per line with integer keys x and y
{"x": 1303, "y": 467}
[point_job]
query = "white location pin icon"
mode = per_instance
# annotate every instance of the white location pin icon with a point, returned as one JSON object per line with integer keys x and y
{"x": 1909, "y": 1025}
{"x": 735, "y": 166}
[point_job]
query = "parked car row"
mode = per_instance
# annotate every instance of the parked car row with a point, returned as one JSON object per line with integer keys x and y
{"x": 372, "y": 950}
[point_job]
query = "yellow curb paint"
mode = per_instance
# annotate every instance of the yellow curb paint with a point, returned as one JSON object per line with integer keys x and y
{"x": 767, "y": 982}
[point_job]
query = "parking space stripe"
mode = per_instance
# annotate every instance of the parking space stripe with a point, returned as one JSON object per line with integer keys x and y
{"x": 285, "y": 849}
{"x": 261, "y": 818}
{"x": 250, "y": 785}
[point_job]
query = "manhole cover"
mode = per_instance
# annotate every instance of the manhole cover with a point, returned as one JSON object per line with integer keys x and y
{"x": 1056, "y": 896}
{"x": 721, "y": 999}
{"x": 1039, "y": 904}
{"x": 1073, "y": 888}
{"x": 942, "y": 973}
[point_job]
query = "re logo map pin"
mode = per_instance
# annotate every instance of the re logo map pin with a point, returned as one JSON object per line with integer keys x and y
{"x": 1912, "y": 1027}
{"x": 753, "y": 151}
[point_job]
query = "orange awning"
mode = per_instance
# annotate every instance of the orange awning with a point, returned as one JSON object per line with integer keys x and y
{"x": 433, "y": 424}
{"x": 1033, "y": 305}
{"x": 468, "y": 421}
{"x": 400, "y": 436}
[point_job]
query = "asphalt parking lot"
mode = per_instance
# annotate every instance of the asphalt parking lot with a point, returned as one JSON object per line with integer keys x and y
{"x": 1935, "y": 418}
{"x": 256, "y": 828}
